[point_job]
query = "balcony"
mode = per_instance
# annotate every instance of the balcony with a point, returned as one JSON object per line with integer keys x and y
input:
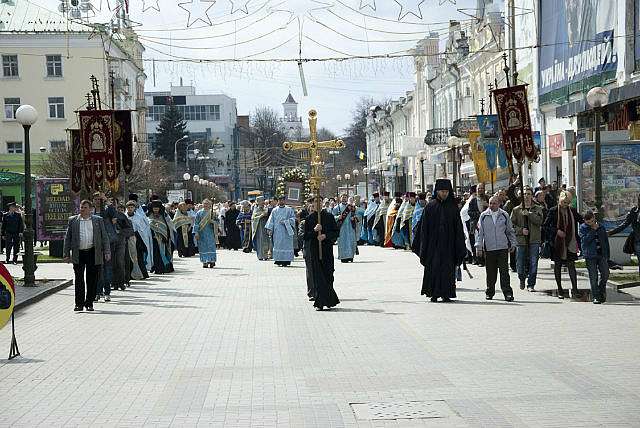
{"x": 437, "y": 137}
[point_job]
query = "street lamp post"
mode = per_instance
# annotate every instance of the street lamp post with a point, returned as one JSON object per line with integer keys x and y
{"x": 196, "y": 180}
{"x": 355, "y": 173}
{"x": 365, "y": 172}
{"x": 422, "y": 155}
{"x": 338, "y": 180}
{"x": 175, "y": 152}
{"x": 26, "y": 115}
{"x": 347, "y": 177}
{"x": 597, "y": 97}
{"x": 186, "y": 177}
{"x": 453, "y": 142}
{"x": 396, "y": 163}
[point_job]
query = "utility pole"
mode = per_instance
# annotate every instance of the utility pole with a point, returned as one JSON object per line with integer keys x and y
{"x": 512, "y": 38}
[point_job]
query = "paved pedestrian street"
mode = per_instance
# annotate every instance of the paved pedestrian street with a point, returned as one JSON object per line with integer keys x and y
{"x": 241, "y": 346}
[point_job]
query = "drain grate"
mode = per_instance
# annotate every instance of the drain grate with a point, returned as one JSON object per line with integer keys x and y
{"x": 402, "y": 410}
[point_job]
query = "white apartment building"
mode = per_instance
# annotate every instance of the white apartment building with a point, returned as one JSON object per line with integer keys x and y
{"x": 47, "y": 62}
{"x": 211, "y": 123}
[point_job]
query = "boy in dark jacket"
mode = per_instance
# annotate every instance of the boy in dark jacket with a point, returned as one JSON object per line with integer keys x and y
{"x": 595, "y": 249}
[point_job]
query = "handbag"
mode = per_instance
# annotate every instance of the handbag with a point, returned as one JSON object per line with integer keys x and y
{"x": 629, "y": 244}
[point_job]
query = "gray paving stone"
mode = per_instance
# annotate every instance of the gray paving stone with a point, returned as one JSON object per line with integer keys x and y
{"x": 241, "y": 346}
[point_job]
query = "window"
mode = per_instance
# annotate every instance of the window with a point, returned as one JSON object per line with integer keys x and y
{"x": 10, "y": 107}
{"x": 214, "y": 112}
{"x": 54, "y": 66}
{"x": 57, "y": 145}
{"x": 14, "y": 146}
{"x": 10, "y": 65}
{"x": 56, "y": 107}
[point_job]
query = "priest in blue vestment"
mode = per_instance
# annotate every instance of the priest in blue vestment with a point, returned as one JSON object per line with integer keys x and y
{"x": 347, "y": 241}
{"x": 282, "y": 224}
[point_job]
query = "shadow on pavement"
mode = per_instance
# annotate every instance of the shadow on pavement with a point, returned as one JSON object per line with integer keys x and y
{"x": 21, "y": 360}
{"x": 108, "y": 312}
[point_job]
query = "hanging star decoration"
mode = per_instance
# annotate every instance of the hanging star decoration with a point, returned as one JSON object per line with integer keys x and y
{"x": 198, "y": 11}
{"x": 368, "y": 3}
{"x": 239, "y": 8}
{"x": 406, "y": 10}
{"x": 150, "y": 4}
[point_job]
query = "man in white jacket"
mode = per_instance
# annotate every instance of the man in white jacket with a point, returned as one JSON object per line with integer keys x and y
{"x": 495, "y": 239}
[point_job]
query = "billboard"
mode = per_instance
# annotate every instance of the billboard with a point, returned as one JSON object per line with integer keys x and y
{"x": 55, "y": 203}
{"x": 576, "y": 41}
{"x": 620, "y": 179}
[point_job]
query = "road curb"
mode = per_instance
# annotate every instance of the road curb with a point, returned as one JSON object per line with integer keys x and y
{"x": 33, "y": 299}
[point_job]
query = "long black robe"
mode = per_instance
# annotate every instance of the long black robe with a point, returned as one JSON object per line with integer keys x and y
{"x": 440, "y": 244}
{"x": 320, "y": 272}
{"x": 233, "y": 231}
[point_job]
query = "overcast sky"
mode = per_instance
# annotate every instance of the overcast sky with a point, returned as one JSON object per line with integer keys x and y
{"x": 271, "y": 30}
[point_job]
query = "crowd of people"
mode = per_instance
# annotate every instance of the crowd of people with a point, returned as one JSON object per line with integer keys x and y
{"x": 111, "y": 243}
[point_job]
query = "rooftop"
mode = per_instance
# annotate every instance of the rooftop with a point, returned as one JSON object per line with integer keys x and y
{"x": 28, "y": 17}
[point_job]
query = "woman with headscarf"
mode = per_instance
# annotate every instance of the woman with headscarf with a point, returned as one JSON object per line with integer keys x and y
{"x": 184, "y": 228}
{"x": 561, "y": 227}
{"x": 206, "y": 227}
{"x": 161, "y": 234}
{"x": 259, "y": 218}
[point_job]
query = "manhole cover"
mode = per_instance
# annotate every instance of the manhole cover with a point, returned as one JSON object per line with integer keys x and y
{"x": 402, "y": 410}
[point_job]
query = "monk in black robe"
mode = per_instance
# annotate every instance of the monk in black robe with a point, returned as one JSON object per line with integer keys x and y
{"x": 232, "y": 241}
{"x": 320, "y": 272}
{"x": 440, "y": 243}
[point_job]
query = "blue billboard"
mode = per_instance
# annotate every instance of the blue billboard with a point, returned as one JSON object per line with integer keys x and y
{"x": 576, "y": 41}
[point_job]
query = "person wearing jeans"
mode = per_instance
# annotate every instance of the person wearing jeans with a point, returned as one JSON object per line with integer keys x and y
{"x": 595, "y": 249}
{"x": 86, "y": 244}
{"x": 495, "y": 239}
{"x": 527, "y": 219}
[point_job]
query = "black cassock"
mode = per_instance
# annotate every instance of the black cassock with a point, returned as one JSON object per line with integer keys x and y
{"x": 232, "y": 240}
{"x": 320, "y": 272}
{"x": 440, "y": 243}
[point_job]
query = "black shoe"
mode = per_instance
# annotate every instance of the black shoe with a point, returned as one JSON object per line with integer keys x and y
{"x": 446, "y": 300}
{"x": 319, "y": 309}
{"x": 78, "y": 309}
{"x": 596, "y": 302}
{"x": 488, "y": 297}
{"x": 522, "y": 285}
{"x": 89, "y": 308}
{"x": 434, "y": 299}
{"x": 312, "y": 299}
{"x": 560, "y": 295}
{"x": 508, "y": 298}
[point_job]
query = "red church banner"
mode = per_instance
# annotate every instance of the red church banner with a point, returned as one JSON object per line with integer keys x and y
{"x": 98, "y": 147}
{"x": 515, "y": 122}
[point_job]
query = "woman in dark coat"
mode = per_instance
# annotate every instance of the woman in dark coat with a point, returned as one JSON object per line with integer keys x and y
{"x": 233, "y": 240}
{"x": 561, "y": 228}
{"x": 440, "y": 243}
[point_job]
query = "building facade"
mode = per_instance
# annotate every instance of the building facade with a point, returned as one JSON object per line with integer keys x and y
{"x": 211, "y": 120}
{"x": 47, "y": 62}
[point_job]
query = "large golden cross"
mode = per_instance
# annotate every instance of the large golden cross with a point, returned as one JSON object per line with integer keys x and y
{"x": 314, "y": 146}
{"x": 315, "y": 158}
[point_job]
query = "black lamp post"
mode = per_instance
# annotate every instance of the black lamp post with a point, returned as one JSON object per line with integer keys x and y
{"x": 422, "y": 155}
{"x": 26, "y": 115}
{"x": 597, "y": 97}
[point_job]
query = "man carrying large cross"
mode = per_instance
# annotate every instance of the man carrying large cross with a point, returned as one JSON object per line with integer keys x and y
{"x": 321, "y": 230}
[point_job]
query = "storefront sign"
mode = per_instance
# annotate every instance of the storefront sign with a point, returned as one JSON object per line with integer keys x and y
{"x": 576, "y": 41}
{"x": 556, "y": 142}
{"x": 462, "y": 127}
{"x": 620, "y": 179}
{"x": 55, "y": 203}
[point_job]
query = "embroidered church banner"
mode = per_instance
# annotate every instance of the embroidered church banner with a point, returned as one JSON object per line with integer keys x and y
{"x": 98, "y": 147}
{"x": 515, "y": 122}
